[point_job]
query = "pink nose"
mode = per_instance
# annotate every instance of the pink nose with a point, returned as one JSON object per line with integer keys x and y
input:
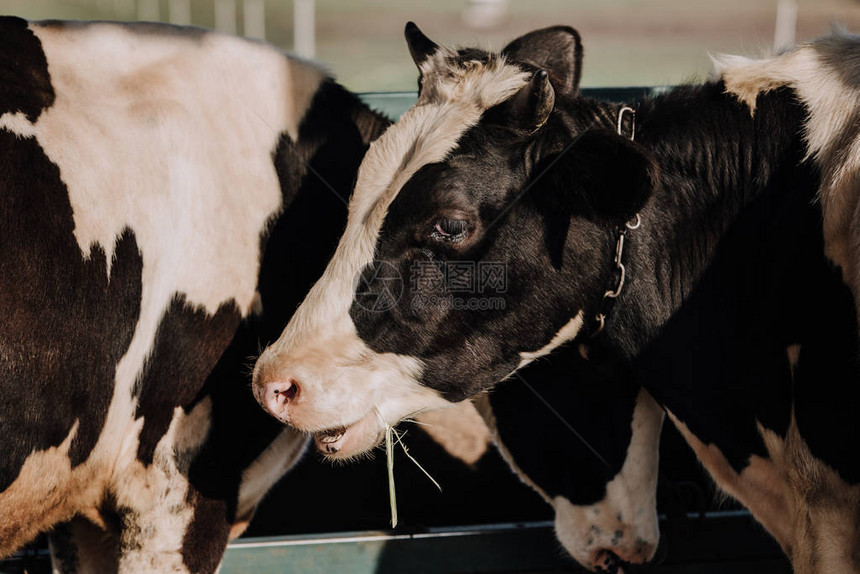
{"x": 278, "y": 394}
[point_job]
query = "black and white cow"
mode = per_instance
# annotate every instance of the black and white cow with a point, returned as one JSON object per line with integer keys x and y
{"x": 705, "y": 229}
{"x": 151, "y": 177}
{"x": 582, "y": 435}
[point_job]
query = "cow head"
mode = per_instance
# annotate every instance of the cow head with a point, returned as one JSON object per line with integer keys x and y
{"x": 593, "y": 456}
{"x": 480, "y": 236}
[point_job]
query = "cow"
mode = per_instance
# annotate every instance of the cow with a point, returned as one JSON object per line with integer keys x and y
{"x": 683, "y": 237}
{"x": 590, "y": 450}
{"x": 161, "y": 212}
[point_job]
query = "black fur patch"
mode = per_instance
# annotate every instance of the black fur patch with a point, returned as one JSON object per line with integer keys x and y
{"x": 64, "y": 552}
{"x": 66, "y": 323}
{"x": 25, "y": 84}
{"x": 317, "y": 176}
{"x": 206, "y": 538}
{"x": 825, "y": 389}
{"x": 740, "y": 286}
{"x": 187, "y": 345}
{"x": 81, "y": 546}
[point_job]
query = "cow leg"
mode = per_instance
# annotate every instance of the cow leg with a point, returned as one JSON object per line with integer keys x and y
{"x": 190, "y": 537}
{"x": 823, "y": 544}
{"x": 151, "y": 539}
{"x": 827, "y": 535}
{"x": 80, "y": 546}
{"x": 165, "y": 524}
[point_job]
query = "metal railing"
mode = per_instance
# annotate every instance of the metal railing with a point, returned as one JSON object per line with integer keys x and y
{"x": 226, "y": 13}
{"x": 710, "y": 543}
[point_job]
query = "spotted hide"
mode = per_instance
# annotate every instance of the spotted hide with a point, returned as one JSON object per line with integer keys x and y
{"x": 703, "y": 213}
{"x": 158, "y": 200}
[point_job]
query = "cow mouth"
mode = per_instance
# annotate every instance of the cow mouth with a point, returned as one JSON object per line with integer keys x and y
{"x": 347, "y": 441}
{"x": 329, "y": 441}
{"x": 608, "y": 562}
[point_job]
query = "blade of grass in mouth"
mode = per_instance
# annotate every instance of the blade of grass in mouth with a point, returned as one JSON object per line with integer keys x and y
{"x": 392, "y": 494}
{"x": 390, "y": 443}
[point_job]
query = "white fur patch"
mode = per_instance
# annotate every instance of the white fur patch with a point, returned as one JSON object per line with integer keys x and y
{"x": 830, "y": 102}
{"x": 800, "y": 500}
{"x": 18, "y": 124}
{"x": 565, "y": 334}
{"x": 631, "y": 495}
{"x": 46, "y": 491}
{"x": 171, "y": 138}
{"x": 156, "y": 495}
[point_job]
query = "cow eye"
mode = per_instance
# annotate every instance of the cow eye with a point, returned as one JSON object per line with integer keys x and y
{"x": 450, "y": 230}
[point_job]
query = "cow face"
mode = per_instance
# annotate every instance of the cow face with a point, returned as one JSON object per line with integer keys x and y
{"x": 479, "y": 238}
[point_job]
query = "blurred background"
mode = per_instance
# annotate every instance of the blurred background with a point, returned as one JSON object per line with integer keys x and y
{"x": 627, "y": 42}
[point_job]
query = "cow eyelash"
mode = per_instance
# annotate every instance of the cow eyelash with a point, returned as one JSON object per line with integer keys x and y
{"x": 450, "y": 230}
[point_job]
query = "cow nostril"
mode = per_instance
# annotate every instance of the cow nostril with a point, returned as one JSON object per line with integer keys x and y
{"x": 289, "y": 392}
{"x": 279, "y": 394}
{"x": 607, "y": 561}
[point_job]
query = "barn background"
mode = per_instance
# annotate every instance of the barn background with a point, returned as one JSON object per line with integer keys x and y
{"x": 628, "y": 42}
{"x": 334, "y": 519}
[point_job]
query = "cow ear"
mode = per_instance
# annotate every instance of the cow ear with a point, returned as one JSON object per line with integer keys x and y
{"x": 529, "y": 108}
{"x": 420, "y": 46}
{"x": 558, "y": 50}
{"x": 612, "y": 174}
{"x": 609, "y": 176}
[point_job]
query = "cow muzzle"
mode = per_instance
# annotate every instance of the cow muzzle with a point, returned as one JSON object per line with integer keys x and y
{"x": 339, "y": 391}
{"x": 288, "y": 402}
{"x": 598, "y": 538}
{"x": 316, "y": 410}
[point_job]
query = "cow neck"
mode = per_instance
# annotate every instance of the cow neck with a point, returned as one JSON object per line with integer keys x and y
{"x": 715, "y": 157}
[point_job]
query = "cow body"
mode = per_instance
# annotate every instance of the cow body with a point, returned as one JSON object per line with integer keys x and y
{"x": 144, "y": 169}
{"x": 705, "y": 232}
{"x": 755, "y": 353}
